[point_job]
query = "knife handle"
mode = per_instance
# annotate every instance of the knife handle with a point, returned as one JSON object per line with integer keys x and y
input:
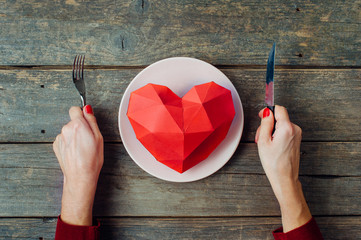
{"x": 272, "y": 108}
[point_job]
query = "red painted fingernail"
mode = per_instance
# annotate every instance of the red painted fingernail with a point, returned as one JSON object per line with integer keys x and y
{"x": 88, "y": 109}
{"x": 266, "y": 113}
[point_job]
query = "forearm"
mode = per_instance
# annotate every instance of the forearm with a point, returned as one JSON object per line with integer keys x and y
{"x": 294, "y": 209}
{"x": 76, "y": 214}
{"x": 75, "y": 210}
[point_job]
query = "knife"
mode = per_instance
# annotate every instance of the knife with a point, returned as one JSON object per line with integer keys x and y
{"x": 269, "y": 97}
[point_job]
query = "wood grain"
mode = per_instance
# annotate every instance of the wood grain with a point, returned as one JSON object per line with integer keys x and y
{"x": 325, "y": 103}
{"x": 340, "y": 228}
{"x": 32, "y": 186}
{"x": 133, "y": 33}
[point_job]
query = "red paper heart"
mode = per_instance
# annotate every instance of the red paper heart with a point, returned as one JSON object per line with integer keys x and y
{"x": 181, "y": 132}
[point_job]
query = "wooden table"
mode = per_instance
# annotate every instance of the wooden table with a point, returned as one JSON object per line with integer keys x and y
{"x": 318, "y": 76}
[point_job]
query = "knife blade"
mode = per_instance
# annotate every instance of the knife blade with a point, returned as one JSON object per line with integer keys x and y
{"x": 269, "y": 96}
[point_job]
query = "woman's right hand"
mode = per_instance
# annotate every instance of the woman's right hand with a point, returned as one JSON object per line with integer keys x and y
{"x": 280, "y": 158}
{"x": 280, "y": 152}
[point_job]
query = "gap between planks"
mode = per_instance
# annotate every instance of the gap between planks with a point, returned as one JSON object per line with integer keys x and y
{"x": 52, "y": 218}
{"x": 114, "y": 67}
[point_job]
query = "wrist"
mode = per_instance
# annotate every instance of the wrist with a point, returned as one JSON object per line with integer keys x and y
{"x": 288, "y": 191}
{"x": 283, "y": 187}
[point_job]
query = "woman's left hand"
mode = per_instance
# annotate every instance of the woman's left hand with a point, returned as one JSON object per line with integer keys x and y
{"x": 79, "y": 150}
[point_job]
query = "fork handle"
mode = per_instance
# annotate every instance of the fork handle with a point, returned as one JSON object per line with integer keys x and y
{"x": 83, "y": 103}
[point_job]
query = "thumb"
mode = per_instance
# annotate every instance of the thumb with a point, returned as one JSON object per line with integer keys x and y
{"x": 90, "y": 118}
{"x": 265, "y": 132}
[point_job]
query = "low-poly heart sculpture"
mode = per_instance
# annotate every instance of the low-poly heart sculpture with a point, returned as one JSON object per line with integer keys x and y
{"x": 181, "y": 132}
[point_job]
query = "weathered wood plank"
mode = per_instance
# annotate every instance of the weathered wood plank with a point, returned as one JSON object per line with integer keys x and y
{"x": 32, "y": 181}
{"x": 180, "y": 228}
{"x": 317, "y": 158}
{"x": 35, "y": 32}
{"x": 325, "y": 103}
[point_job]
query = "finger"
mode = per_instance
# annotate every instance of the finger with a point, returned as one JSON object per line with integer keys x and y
{"x": 89, "y": 116}
{"x": 260, "y": 113}
{"x": 298, "y": 131}
{"x": 56, "y": 148}
{"x": 281, "y": 113}
{"x": 75, "y": 113}
{"x": 267, "y": 123}
{"x": 257, "y": 135}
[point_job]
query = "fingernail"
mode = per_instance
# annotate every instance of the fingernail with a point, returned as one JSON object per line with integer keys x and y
{"x": 266, "y": 113}
{"x": 88, "y": 109}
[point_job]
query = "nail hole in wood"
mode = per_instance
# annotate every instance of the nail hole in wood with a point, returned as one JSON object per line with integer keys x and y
{"x": 40, "y": 238}
{"x": 122, "y": 44}
{"x": 300, "y": 55}
{"x": 42, "y": 131}
{"x": 297, "y": 9}
{"x": 42, "y": 86}
{"x": 143, "y": 5}
{"x": 303, "y": 153}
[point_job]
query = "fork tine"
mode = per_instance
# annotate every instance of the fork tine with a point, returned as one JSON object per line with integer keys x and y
{"x": 74, "y": 67}
{"x": 78, "y": 67}
{"x": 82, "y": 67}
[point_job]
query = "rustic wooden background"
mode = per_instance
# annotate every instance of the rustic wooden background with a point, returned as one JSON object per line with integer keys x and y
{"x": 318, "y": 76}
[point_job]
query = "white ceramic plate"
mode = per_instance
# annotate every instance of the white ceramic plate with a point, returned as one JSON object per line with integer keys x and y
{"x": 180, "y": 74}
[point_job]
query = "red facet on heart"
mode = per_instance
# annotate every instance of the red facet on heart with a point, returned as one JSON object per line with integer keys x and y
{"x": 181, "y": 132}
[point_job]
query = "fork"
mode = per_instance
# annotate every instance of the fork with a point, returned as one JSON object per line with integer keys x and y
{"x": 78, "y": 77}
